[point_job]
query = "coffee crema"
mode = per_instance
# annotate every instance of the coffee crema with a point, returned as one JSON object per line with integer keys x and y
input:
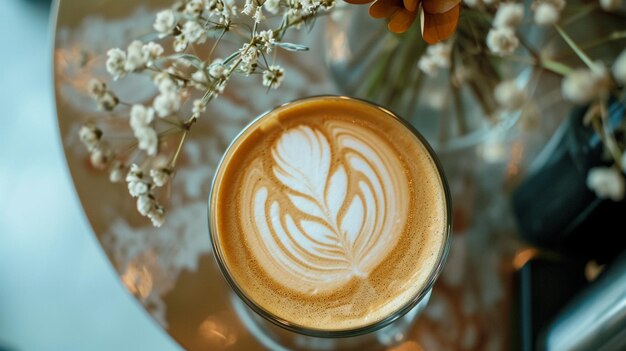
{"x": 329, "y": 213}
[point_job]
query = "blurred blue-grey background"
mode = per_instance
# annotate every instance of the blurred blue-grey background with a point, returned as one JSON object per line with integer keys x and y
{"x": 57, "y": 289}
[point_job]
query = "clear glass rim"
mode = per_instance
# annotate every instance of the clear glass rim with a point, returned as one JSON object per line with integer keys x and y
{"x": 281, "y": 322}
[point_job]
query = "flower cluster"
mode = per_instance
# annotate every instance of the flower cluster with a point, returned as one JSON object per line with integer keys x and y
{"x": 185, "y": 83}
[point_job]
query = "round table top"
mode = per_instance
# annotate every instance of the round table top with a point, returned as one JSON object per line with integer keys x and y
{"x": 171, "y": 270}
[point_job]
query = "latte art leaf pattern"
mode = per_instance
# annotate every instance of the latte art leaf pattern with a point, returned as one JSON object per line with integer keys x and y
{"x": 337, "y": 213}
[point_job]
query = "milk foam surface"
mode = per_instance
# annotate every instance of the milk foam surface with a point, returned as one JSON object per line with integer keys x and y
{"x": 324, "y": 220}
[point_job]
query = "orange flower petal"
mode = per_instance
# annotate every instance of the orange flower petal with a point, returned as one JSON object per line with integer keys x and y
{"x": 358, "y": 2}
{"x": 439, "y": 6}
{"x": 401, "y": 20}
{"x": 411, "y": 5}
{"x": 383, "y": 8}
{"x": 438, "y": 27}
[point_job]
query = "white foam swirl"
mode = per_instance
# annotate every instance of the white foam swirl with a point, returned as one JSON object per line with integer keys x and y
{"x": 333, "y": 210}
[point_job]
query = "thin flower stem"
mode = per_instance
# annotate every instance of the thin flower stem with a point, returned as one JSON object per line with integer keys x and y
{"x": 527, "y": 46}
{"x": 556, "y": 67}
{"x": 217, "y": 41}
{"x": 177, "y": 124}
{"x": 579, "y": 52}
{"x": 178, "y": 149}
{"x": 617, "y": 35}
{"x": 584, "y": 11}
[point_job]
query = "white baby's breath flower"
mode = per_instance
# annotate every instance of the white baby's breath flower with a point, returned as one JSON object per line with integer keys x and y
{"x": 157, "y": 216}
{"x": 546, "y": 14}
{"x": 134, "y": 57}
{"x": 194, "y": 8}
{"x": 194, "y": 32}
{"x": 258, "y": 15}
{"x": 160, "y": 176}
{"x": 583, "y": 85}
{"x": 250, "y": 7}
{"x": 606, "y": 182}
{"x": 200, "y": 77}
{"x": 151, "y": 52}
{"x": 116, "y": 173}
{"x": 249, "y": 57}
{"x": 180, "y": 43}
{"x": 166, "y": 103}
{"x": 272, "y": 6}
{"x": 100, "y": 157}
{"x": 327, "y": 5}
{"x": 96, "y": 88}
{"x": 490, "y": 2}
{"x": 90, "y": 136}
{"x": 108, "y": 101}
{"x": 164, "y": 23}
{"x": 137, "y": 188}
{"x": 198, "y": 107}
{"x": 116, "y": 59}
{"x": 440, "y": 53}
{"x": 273, "y": 76}
{"x": 502, "y": 41}
{"x": 217, "y": 69}
{"x": 135, "y": 174}
{"x": 140, "y": 116}
{"x": 509, "y": 14}
{"x": 145, "y": 203}
{"x": 428, "y": 65}
{"x": 135, "y": 181}
{"x": 148, "y": 140}
{"x": 265, "y": 40}
{"x": 164, "y": 83}
{"x": 472, "y": 3}
{"x": 619, "y": 68}
{"x": 509, "y": 96}
{"x": 610, "y": 5}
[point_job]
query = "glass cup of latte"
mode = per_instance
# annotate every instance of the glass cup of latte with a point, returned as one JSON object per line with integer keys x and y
{"x": 330, "y": 219}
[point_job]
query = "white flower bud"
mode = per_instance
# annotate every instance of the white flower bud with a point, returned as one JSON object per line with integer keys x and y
{"x": 606, "y": 182}
{"x": 116, "y": 174}
{"x": 427, "y": 65}
{"x": 99, "y": 157}
{"x": 108, "y": 101}
{"x": 610, "y": 5}
{"x": 160, "y": 176}
{"x": 90, "y": 136}
{"x": 116, "y": 59}
{"x": 151, "y": 52}
{"x": 157, "y": 216}
{"x": 166, "y": 103}
{"x": 619, "y": 68}
{"x": 546, "y": 14}
{"x": 509, "y": 95}
{"x": 96, "y": 88}
{"x": 583, "y": 85}
{"x": 148, "y": 140}
{"x": 194, "y": 32}
{"x": 502, "y": 41}
{"x": 145, "y": 204}
{"x": 164, "y": 22}
{"x": 140, "y": 116}
{"x": 273, "y": 77}
{"x": 134, "y": 57}
{"x": 509, "y": 15}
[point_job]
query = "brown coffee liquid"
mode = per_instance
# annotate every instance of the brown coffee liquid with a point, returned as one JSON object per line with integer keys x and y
{"x": 329, "y": 213}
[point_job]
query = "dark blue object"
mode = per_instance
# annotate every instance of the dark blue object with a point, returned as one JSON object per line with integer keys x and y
{"x": 553, "y": 206}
